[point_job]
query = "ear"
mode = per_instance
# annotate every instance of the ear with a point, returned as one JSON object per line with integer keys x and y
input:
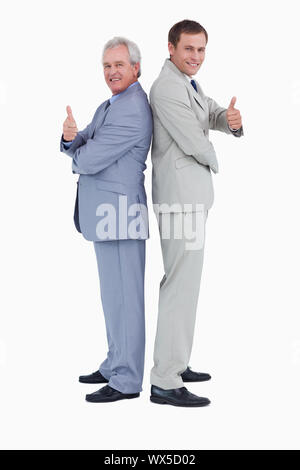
{"x": 171, "y": 48}
{"x": 136, "y": 68}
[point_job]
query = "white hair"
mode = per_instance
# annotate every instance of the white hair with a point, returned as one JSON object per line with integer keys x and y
{"x": 133, "y": 50}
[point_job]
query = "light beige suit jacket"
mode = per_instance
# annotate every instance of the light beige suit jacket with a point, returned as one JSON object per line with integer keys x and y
{"x": 182, "y": 154}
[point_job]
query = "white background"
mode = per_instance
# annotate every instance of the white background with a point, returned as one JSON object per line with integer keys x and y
{"x": 52, "y": 328}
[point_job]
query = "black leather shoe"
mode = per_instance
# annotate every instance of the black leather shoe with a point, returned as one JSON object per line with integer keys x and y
{"x": 190, "y": 376}
{"x": 94, "y": 378}
{"x": 177, "y": 397}
{"x": 108, "y": 394}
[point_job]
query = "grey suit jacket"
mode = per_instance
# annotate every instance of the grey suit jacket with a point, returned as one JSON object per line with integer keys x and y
{"x": 182, "y": 154}
{"x": 110, "y": 154}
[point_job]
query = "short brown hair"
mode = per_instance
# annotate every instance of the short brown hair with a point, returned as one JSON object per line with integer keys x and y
{"x": 185, "y": 26}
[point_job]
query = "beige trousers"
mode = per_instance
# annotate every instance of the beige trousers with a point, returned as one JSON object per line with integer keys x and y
{"x": 178, "y": 296}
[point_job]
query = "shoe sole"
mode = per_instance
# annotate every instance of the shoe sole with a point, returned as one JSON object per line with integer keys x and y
{"x": 163, "y": 401}
{"x": 86, "y": 382}
{"x": 201, "y": 380}
{"x": 111, "y": 401}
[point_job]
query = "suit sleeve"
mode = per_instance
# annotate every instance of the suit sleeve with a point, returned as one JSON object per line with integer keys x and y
{"x": 110, "y": 142}
{"x": 218, "y": 119}
{"x": 172, "y": 107}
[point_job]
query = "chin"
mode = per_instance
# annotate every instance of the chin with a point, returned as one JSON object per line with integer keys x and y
{"x": 116, "y": 90}
{"x": 193, "y": 71}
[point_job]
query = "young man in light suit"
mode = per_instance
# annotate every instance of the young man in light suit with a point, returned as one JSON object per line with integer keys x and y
{"x": 109, "y": 155}
{"x": 183, "y": 158}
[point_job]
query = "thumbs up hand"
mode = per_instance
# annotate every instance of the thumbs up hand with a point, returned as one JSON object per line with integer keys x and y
{"x": 233, "y": 115}
{"x": 69, "y": 128}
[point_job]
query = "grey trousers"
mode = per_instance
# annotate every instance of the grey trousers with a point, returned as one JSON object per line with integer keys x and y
{"x": 178, "y": 298}
{"x": 121, "y": 266}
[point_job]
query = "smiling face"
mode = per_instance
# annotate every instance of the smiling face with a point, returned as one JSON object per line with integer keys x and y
{"x": 118, "y": 71}
{"x": 189, "y": 52}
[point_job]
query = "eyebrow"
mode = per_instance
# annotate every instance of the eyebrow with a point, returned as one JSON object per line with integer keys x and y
{"x": 114, "y": 62}
{"x": 201, "y": 47}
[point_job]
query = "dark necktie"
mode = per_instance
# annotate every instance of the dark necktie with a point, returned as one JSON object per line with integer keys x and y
{"x": 193, "y": 83}
{"x": 107, "y": 105}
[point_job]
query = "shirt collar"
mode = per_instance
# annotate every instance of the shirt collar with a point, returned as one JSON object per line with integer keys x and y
{"x": 114, "y": 97}
{"x": 188, "y": 77}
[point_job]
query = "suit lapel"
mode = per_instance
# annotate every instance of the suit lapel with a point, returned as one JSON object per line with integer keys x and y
{"x": 99, "y": 118}
{"x": 196, "y": 96}
{"x": 201, "y": 95}
{"x": 102, "y": 112}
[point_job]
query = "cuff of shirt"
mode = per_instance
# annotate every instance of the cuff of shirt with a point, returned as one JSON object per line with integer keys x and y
{"x": 67, "y": 144}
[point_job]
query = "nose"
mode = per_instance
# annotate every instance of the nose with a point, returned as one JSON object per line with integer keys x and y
{"x": 195, "y": 58}
{"x": 113, "y": 70}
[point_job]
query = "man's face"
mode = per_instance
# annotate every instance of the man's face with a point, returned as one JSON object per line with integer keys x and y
{"x": 118, "y": 71}
{"x": 189, "y": 52}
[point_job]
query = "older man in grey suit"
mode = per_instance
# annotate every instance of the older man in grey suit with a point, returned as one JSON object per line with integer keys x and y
{"x": 111, "y": 210}
{"x": 183, "y": 158}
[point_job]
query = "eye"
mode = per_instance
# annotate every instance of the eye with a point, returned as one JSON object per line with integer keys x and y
{"x": 106, "y": 66}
